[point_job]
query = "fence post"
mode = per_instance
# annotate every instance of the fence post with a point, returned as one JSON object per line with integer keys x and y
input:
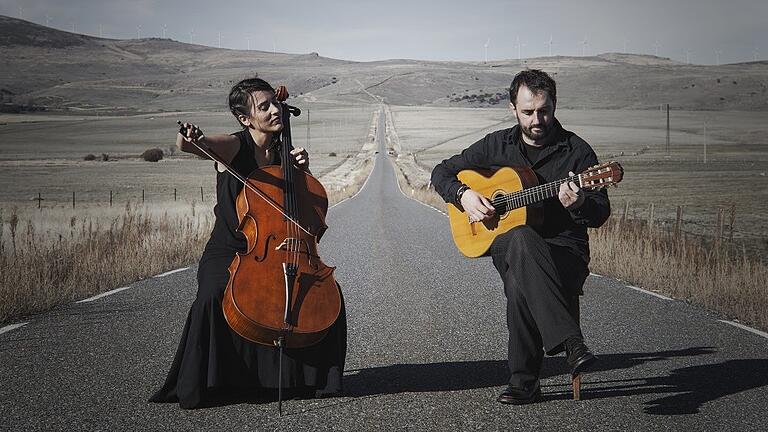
{"x": 110, "y": 198}
{"x": 174, "y": 194}
{"x": 73, "y": 199}
{"x": 202, "y": 197}
{"x": 650, "y": 217}
{"x": 142, "y": 196}
{"x": 39, "y": 200}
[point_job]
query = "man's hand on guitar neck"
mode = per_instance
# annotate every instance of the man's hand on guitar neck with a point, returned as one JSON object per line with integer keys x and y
{"x": 570, "y": 195}
{"x": 476, "y": 206}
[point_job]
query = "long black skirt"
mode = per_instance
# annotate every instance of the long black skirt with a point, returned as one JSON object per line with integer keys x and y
{"x": 212, "y": 361}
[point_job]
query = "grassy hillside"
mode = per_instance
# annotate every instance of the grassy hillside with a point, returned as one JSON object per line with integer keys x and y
{"x": 55, "y": 70}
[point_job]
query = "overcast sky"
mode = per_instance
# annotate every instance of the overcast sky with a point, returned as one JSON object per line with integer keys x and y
{"x": 701, "y": 31}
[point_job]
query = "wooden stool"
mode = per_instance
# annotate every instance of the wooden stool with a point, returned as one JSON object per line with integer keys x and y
{"x": 575, "y": 379}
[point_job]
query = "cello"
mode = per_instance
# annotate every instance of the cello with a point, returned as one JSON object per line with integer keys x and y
{"x": 279, "y": 292}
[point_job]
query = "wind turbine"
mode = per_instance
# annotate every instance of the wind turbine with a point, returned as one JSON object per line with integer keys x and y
{"x": 584, "y": 47}
{"x": 191, "y": 34}
{"x": 486, "y": 49}
{"x": 550, "y": 45}
{"x": 21, "y": 12}
{"x": 248, "y": 41}
{"x": 101, "y": 31}
{"x": 717, "y": 57}
{"x": 138, "y": 31}
{"x": 165, "y": 28}
{"x": 625, "y": 45}
{"x": 219, "y": 39}
{"x": 656, "y": 48}
{"x": 47, "y": 20}
{"x": 519, "y": 50}
{"x": 73, "y": 28}
{"x": 755, "y": 54}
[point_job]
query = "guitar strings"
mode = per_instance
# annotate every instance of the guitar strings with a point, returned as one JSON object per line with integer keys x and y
{"x": 531, "y": 195}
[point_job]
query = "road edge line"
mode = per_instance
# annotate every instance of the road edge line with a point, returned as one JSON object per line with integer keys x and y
{"x": 102, "y": 295}
{"x": 747, "y": 328}
{"x": 170, "y": 272}
{"x": 12, "y": 327}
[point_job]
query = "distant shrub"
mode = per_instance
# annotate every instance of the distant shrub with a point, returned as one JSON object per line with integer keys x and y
{"x": 104, "y": 157}
{"x": 90, "y": 157}
{"x": 332, "y": 154}
{"x": 152, "y": 155}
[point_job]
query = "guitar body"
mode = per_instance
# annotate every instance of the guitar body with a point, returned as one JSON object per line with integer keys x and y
{"x": 474, "y": 239}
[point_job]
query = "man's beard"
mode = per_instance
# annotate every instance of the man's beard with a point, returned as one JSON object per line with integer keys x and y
{"x": 539, "y": 135}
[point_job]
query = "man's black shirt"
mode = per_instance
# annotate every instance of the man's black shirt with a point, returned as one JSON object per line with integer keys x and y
{"x": 567, "y": 152}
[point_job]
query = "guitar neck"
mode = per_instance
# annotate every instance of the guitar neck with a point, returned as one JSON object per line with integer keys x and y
{"x": 533, "y": 194}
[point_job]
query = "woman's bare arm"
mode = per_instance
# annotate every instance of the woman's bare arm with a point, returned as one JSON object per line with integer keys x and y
{"x": 224, "y": 146}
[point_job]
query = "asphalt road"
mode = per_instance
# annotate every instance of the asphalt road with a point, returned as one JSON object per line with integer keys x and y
{"x": 427, "y": 348}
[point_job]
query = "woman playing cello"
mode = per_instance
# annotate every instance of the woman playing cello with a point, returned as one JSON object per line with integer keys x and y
{"x": 212, "y": 361}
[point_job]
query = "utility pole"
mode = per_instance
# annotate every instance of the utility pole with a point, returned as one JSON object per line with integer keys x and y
{"x": 309, "y": 123}
{"x": 705, "y": 141}
{"x": 667, "y": 129}
{"x": 486, "y": 49}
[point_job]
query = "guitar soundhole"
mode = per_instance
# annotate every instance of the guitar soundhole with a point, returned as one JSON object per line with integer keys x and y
{"x": 501, "y": 206}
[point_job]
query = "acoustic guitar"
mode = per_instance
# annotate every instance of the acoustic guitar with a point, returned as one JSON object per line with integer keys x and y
{"x": 512, "y": 191}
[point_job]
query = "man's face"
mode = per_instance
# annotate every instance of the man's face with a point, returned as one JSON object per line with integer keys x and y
{"x": 535, "y": 113}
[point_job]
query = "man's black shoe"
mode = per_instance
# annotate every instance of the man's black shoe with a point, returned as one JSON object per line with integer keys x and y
{"x": 579, "y": 357}
{"x": 516, "y": 396}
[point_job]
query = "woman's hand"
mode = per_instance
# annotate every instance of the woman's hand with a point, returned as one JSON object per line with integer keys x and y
{"x": 300, "y": 158}
{"x": 188, "y": 134}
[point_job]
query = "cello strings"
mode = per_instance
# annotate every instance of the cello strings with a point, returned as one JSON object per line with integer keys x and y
{"x": 245, "y": 183}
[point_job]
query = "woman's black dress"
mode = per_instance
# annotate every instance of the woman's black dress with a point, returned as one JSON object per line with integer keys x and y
{"x": 212, "y": 359}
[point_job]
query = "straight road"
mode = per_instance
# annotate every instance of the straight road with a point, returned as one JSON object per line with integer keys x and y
{"x": 427, "y": 348}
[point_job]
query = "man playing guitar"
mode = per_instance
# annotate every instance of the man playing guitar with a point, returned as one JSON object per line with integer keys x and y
{"x": 543, "y": 268}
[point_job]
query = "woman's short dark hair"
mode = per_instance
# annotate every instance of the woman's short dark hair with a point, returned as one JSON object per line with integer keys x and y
{"x": 537, "y": 81}
{"x": 240, "y": 96}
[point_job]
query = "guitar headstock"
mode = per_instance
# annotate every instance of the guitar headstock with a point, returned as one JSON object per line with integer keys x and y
{"x": 599, "y": 176}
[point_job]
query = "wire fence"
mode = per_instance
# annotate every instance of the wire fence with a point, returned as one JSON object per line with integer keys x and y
{"x": 111, "y": 197}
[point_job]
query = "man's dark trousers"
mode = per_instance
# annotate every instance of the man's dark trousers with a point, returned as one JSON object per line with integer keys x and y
{"x": 542, "y": 283}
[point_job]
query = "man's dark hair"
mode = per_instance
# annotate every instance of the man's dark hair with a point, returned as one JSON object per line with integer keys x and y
{"x": 537, "y": 81}
{"x": 240, "y": 95}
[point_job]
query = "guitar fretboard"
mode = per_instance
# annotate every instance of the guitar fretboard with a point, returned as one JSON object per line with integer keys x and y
{"x": 531, "y": 195}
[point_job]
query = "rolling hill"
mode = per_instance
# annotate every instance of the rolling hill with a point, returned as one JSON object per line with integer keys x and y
{"x": 54, "y": 70}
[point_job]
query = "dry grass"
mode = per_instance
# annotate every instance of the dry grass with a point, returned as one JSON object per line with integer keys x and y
{"x": 61, "y": 255}
{"x": 707, "y": 271}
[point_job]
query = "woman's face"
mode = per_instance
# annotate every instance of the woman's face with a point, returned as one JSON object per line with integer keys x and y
{"x": 265, "y": 113}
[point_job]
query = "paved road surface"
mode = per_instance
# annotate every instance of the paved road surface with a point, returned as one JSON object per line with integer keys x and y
{"x": 427, "y": 348}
